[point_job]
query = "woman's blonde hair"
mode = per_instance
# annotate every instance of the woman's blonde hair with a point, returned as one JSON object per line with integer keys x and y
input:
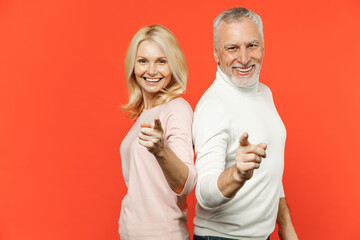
{"x": 176, "y": 60}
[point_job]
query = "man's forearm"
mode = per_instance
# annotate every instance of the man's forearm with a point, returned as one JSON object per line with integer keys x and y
{"x": 228, "y": 182}
{"x": 248, "y": 158}
{"x": 286, "y": 228}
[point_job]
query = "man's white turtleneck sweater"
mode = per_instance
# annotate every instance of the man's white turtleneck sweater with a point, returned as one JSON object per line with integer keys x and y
{"x": 222, "y": 115}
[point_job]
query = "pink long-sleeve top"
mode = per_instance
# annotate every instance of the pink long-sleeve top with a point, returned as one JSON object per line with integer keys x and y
{"x": 151, "y": 209}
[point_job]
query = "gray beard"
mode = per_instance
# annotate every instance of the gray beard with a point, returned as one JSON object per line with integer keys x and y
{"x": 246, "y": 84}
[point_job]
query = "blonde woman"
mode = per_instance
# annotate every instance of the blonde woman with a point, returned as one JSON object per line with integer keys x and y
{"x": 157, "y": 153}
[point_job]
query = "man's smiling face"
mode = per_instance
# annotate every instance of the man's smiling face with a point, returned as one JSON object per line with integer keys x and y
{"x": 239, "y": 51}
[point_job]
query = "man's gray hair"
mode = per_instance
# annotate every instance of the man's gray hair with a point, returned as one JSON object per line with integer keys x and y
{"x": 234, "y": 15}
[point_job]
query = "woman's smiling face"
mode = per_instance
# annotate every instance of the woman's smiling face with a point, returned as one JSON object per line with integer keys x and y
{"x": 152, "y": 71}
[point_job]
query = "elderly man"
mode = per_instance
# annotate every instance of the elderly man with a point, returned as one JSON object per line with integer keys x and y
{"x": 239, "y": 140}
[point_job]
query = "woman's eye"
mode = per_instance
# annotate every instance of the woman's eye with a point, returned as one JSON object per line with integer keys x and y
{"x": 142, "y": 61}
{"x": 162, "y": 61}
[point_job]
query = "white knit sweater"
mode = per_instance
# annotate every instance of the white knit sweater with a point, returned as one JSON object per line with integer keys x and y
{"x": 222, "y": 115}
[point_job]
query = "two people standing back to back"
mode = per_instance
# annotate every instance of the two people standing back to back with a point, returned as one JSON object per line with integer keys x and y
{"x": 237, "y": 133}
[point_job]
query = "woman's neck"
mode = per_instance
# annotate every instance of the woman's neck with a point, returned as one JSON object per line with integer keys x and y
{"x": 148, "y": 100}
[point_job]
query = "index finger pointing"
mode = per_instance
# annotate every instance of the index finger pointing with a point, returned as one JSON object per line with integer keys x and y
{"x": 244, "y": 139}
{"x": 262, "y": 145}
{"x": 157, "y": 123}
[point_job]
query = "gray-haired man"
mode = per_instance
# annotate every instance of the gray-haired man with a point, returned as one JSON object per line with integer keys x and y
{"x": 239, "y": 140}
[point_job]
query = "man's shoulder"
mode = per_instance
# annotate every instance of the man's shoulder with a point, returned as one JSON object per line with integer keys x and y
{"x": 264, "y": 88}
{"x": 212, "y": 106}
{"x": 214, "y": 94}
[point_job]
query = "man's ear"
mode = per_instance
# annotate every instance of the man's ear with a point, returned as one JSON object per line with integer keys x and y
{"x": 216, "y": 56}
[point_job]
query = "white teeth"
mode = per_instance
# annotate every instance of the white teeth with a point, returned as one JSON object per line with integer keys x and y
{"x": 244, "y": 70}
{"x": 152, "y": 79}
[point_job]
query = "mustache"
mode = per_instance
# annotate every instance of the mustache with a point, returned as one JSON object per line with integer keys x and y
{"x": 247, "y": 65}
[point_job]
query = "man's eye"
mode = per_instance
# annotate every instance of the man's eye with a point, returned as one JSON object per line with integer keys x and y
{"x": 231, "y": 48}
{"x": 252, "y": 45}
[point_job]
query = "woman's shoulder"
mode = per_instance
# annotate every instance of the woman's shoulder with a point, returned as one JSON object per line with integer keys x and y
{"x": 177, "y": 104}
{"x": 177, "y": 109}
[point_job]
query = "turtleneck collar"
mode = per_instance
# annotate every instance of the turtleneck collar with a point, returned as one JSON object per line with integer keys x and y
{"x": 221, "y": 77}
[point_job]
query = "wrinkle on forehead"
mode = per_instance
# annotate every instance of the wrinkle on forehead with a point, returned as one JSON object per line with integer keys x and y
{"x": 237, "y": 33}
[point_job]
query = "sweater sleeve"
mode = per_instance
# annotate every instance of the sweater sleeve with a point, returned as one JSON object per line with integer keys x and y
{"x": 282, "y": 193}
{"x": 178, "y": 136}
{"x": 211, "y": 137}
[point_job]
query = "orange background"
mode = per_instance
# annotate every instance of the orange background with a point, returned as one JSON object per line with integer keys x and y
{"x": 62, "y": 84}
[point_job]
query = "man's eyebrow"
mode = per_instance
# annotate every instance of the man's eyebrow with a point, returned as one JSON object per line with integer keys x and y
{"x": 254, "y": 41}
{"x": 232, "y": 45}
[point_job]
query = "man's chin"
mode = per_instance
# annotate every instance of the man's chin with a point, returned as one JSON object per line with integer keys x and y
{"x": 244, "y": 82}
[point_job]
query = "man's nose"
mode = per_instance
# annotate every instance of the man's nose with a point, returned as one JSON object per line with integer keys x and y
{"x": 243, "y": 56}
